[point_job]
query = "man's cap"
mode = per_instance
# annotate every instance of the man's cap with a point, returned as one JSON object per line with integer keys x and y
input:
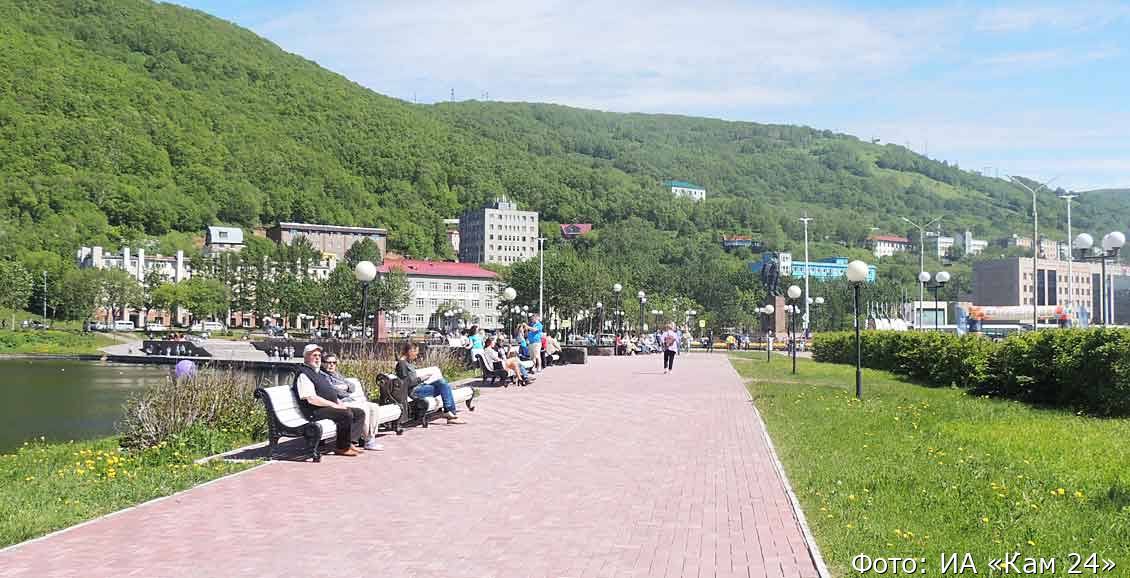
{"x": 310, "y": 347}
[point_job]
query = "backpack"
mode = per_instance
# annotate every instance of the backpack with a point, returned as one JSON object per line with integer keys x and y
{"x": 392, "y": 390}
{"x": 669, "y": 339}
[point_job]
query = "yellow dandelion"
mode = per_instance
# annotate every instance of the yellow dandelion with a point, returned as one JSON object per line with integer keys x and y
{"x": 985, "y": 519}
{"x": 1078, "y": 494}
{"x": 1031, "y": 543}
{"x": 1060, "y": 491}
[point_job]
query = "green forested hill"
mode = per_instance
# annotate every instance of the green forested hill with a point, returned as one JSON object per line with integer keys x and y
{"x": 124, "y": 119}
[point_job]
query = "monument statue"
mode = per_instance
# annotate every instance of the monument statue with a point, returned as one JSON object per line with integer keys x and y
{"x": 771, "y": 275}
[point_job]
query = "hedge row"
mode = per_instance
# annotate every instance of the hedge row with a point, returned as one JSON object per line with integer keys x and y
{"x": 1081, "y": 369}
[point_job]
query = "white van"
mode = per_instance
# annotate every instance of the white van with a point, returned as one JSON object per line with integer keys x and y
{"x": 211, "y": 326}
{"x": 123, "y": 325}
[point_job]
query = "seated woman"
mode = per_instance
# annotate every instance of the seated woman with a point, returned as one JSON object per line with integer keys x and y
{"x": 437, "y": 385}
{"x": 350, "y": 393}
{"x": 494, "y": 361}
{"x": 552, "y": 349}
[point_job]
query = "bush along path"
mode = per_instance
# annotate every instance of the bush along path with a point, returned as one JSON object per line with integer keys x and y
{"x": 1086, "y": 370}
{"x": 913, "y": 471}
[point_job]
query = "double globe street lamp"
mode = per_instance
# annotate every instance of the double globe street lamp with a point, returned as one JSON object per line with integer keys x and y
{"x": 793, "y": 293}
{"x": 940, "y": 280}
{"x": 1084, "y": 247}
{"x": 768, "y": 311}
{"x": 616, "y": 304}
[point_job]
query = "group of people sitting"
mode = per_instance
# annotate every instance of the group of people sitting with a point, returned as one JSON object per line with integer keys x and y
{"x": 629, "y": 344}
{"x": 323, "y": 393}
{"x": 525, "y": 354}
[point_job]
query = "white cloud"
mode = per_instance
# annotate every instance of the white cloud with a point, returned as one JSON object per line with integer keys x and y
{"x": 1027, "y": 16}
{"x": 631, "y": 55}
{"x": 1050, "y": 58}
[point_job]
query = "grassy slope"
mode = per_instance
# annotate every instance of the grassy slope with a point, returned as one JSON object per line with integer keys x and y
{"x": 51, "y": 341}
{"x": 918, "y": 471}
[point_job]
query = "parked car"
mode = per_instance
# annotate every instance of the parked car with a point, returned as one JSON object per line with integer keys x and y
{"x": 156, "y": 328}
{"x": 196, "y": 327}
{"x": 97, "y": 326}
{"x": 123, "y": 325}
{"x": 212, "y": 326}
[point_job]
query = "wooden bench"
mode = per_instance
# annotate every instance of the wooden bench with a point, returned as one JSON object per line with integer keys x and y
{"x": 422, "y": 409}
{"x": 285, "y": 419}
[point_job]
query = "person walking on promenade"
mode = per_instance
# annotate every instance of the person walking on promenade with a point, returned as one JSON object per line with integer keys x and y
{"x": 670, "y": 345}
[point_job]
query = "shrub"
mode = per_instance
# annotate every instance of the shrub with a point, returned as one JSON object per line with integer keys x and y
{"x": 172, "y": 409}
{"x": 1082, "y": 369}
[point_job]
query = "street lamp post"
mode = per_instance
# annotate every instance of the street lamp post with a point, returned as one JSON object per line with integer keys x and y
{"x": 1112, "y": 244}
{"x": 643, "y": 299}
{"x": 923, "y": 279}
{"x": 794, "y": 293}
{"x": 616, "y": 304}
{"x": 857, "y": 274}
{"x": 365, "y": 272}
{"x": 509, "y": 295}
{"x": 1035, "y": 245}
{"x": 921, "y": 265}
{"x": 816, "y": 301}
{"x": 768, "y": 312}
{"x": 1070, "y": 274}
{"x": 940, "y": 280}
{"x": 805, "y": 219}
{"x": 600, "y": 316}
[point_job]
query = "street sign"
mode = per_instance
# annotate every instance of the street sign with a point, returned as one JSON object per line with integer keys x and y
{"x": 701, "y": 323}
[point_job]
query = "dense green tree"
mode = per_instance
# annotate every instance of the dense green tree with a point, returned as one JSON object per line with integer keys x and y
{"x": 15, "y": 286}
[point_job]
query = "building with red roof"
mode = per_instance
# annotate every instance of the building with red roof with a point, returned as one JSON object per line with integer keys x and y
{"x": 435, "y": 283}
{"x": 887, "y": 245}
{"x": 574, "y": 230}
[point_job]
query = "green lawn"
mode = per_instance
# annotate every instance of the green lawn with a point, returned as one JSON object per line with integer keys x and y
{"x": 51, "y": 341}
{"x": 915, "y": 471}
{"x": 48, "y": 486}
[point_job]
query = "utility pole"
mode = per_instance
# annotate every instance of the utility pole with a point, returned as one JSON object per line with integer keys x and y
{"x": 807, "y": 264}
{"x": 541, "y": 276}
{"x": 1035, "y": 247}
{"x": 921, "y": 268}
{"x": 1070, "y": 274}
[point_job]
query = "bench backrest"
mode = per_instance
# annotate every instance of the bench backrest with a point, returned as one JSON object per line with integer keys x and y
{"x": 282, "y": 402}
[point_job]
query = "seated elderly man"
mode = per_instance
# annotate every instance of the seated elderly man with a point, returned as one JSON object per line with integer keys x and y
{"x": 351, "y": 394}
{"x": 319, "y": 400}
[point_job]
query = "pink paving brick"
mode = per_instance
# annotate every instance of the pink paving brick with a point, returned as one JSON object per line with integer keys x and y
{"x": 607, "y": 469}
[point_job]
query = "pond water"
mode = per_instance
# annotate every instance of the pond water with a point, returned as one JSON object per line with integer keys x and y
{"x": 66, "y": 400}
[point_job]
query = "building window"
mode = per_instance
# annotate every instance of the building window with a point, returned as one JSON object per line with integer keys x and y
{"x": 475, "y": 304}
{"x": 433, "y": 286}
{"x": 419, "y": 319}
{"x": 434, "y": 302}
{"x": 474, "y": 287}
{"x": 461, "y": 287}
{"x": 419, "y": 302}
{"x": 447, "y": 287}
{"x": 404, "y": 319}
{"x": 420, "y": 285}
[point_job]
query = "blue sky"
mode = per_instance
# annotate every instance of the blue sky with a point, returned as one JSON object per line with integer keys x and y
{"x": 1031, "y": 88}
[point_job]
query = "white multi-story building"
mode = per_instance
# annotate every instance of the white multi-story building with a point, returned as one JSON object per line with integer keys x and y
{"x": 972, "y": 246}
{"x": 939, "y": 244}
{"x": 685, "y": 189}
{"x": 434, "y": 283}
{"x": 887, "y": 245}
{"x": 137, "y": 264}
{"x": 498, "y": 233}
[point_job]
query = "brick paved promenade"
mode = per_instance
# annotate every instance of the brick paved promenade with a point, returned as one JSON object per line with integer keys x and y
{"x": 605, "y": 470}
